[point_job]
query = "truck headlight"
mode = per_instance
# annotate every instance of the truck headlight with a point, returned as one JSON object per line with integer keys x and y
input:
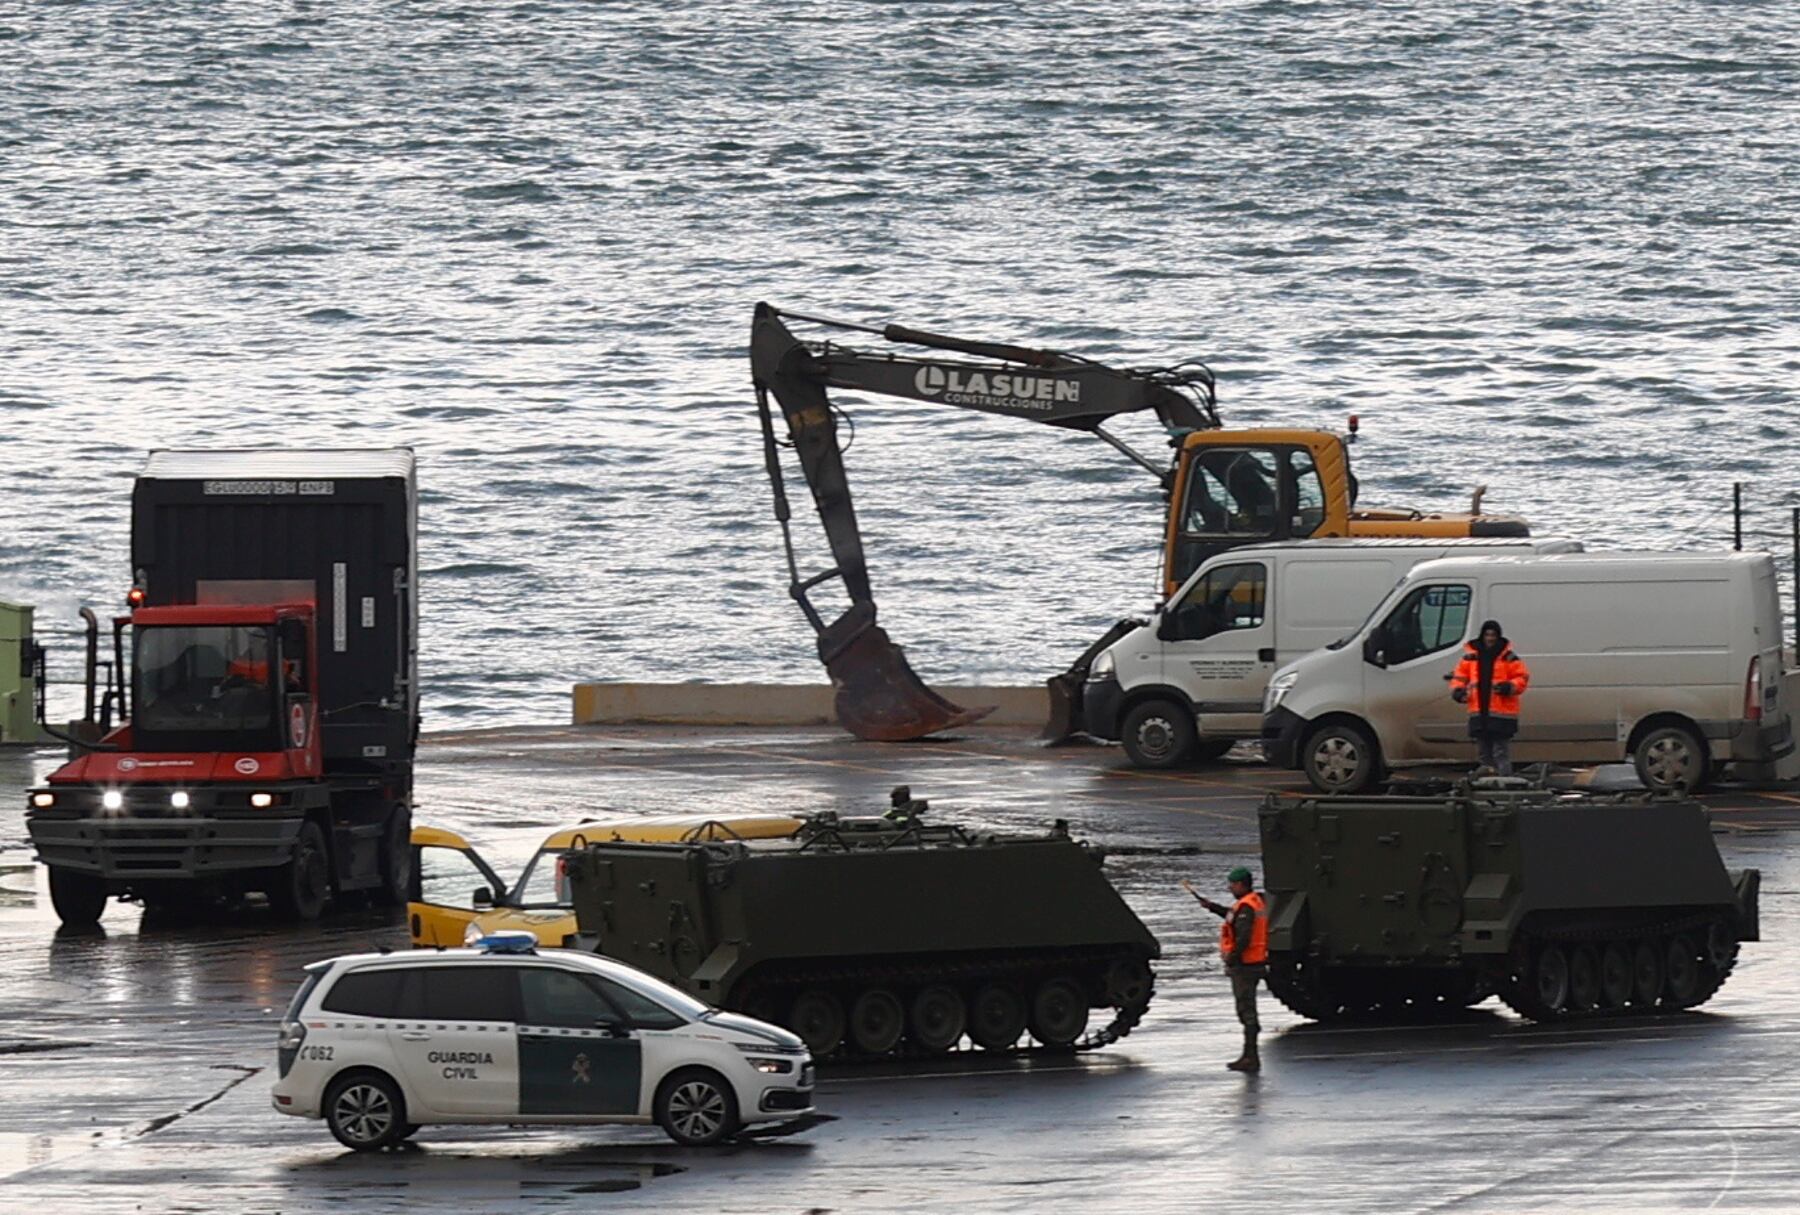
{"x": 179, "y": 799}
{"x": 1278, "y": 688}
{"x": 262, "y": 801}
{"x": 112, "y": 799}
{"x": 1102, "y": 667}
{"x": 43, "y": 801}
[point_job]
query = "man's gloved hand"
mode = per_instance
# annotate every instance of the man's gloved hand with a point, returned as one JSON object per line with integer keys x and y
{"x": 1504, "y": 687}
{"x": 1459, "y": 695}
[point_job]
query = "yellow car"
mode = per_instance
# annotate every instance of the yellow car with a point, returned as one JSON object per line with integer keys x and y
{"x": 457, "y": 895}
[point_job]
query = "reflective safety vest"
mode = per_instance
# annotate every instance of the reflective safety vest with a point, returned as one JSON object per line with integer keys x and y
{"x": 1257, "y": 951}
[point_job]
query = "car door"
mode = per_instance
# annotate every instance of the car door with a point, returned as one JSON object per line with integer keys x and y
{"x": 455, "y": 1039}
{"x": 578, "y": 1052}
{"x": 1219, "y": 646}
{"x": 1410, "y": 659}
{"x": 448, "y": 875}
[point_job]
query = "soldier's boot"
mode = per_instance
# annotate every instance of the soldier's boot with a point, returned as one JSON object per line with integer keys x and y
{"x": 1248, "y": 1061}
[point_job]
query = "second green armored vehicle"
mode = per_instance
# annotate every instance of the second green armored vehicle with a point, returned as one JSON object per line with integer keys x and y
{"x": 1560, "y": 904}
{"x": 872, "y": 937}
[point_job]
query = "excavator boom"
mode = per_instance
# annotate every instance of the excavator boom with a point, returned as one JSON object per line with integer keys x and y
{"x": 879, "y": 696}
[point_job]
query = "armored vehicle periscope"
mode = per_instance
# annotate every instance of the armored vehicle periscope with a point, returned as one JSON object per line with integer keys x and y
{"x": 1561, "y": 905}
{"x": 876, "y": 936}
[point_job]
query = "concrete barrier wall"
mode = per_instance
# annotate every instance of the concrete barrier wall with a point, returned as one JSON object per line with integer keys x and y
{"x": 772, "y": 704}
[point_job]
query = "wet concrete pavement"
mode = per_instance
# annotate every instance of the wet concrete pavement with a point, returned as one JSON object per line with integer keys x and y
{"x": 135, "y": 1065}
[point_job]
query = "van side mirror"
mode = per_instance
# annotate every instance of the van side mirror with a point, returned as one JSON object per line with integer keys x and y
{"x": 1373, "y": 654}
{"x": 1165, "y": 627}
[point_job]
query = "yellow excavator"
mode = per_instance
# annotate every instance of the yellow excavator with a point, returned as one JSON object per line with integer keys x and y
{"x": 1223, "y": 488}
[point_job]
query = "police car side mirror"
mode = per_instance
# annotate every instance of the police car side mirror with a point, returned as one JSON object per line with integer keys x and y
{"x": 483, "y": 897}
{"x": 616, "y": 1029}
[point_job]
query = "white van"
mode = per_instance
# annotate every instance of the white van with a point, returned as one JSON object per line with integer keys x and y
{"x": 1189, "y": 682}
{"x": 1672, "y": 659}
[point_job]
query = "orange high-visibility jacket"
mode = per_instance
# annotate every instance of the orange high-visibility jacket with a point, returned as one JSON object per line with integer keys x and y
{"x": 1257, "y": 951}
{"x": 1508, "y": 668}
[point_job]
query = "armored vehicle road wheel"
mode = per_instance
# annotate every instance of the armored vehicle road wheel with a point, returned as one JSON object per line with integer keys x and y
{"x": 1540, "y": 987}
{"x": 1721, "y": 948}
{"x": 996, "y": 1017}
{"x": 1158, "y": 734}
{"x": 876, "y": 1021}
{"x": 1584, "y": 978}
{"x": 1615, "y": 976}
{"x": 1340, "y": 757}
{"x": 936, "y": 1020}
{"x": 365, "y": 1112}
{"x": 1681, "y": 972}
{"x": 1646, "y": 974}
{"x": 696, "y": 1107}
{"x": 818, "y": 1017}
{"x": 302, "y": 886}
{"x": 1672, "y": 757}
{"x": 1059, "y": 1012}
{"x": 79, "y": 898}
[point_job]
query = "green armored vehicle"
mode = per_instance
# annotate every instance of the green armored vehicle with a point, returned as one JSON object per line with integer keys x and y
{"x": 1560, "y": 904}
{"x": 872, "y": 937}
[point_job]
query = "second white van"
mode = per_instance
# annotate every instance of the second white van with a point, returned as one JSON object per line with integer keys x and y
{"x": 1189, "y": 682}
{"x": 1671, "y": 660}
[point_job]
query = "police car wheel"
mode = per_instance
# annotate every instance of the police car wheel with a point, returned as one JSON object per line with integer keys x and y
{"x": 366, "y": 1112}
{"x": 696, "y": 1108}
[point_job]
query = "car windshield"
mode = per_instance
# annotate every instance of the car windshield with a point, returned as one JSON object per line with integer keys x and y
{"x": 669, "y": 997}
{"x": 204, "y": 679}
{"x": 543, "y": 884}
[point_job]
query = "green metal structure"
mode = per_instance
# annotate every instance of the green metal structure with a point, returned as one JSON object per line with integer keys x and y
{"x": 18, "y": 685}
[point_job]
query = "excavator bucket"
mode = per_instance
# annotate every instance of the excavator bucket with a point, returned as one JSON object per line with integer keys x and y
{"x": 1066, "y": 689}
{"x": 879, "y": 696}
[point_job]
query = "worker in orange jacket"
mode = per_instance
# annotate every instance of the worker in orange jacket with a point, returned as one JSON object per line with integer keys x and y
{"x": 1490, "y": 679}
{"x": 1244, "y": 948}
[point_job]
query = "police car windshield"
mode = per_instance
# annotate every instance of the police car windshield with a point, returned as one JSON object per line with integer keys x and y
{"x": 543, "y": 884}
{"x": 672, "y": 998}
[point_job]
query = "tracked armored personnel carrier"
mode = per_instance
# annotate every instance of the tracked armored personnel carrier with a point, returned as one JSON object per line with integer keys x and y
{"x": 1561, "y": 904}
{"x": 872, "y": 937}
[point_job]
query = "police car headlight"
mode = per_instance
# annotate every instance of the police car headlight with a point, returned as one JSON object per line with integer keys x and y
{"x": 112, "y": 799}
{"x": 1102, "y": 667}
{"x": 179, "y": 799}
{"x": 1278, "y": 688}
{"x": 262, "y": 801}
{"x": 43, "y": 801}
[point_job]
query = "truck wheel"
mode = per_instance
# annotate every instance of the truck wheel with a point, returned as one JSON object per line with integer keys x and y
{"x": 1158, "y": 734}
{"x": 79, "y": 898}
{"x": 696, "y": 1107}
{"x": 304, "y": 883}
{"x": 396, "y": 860}
{"x": 1340, "y": 757}
{"x": 1671, "y": 758}
{"x": 365, "y": 1112}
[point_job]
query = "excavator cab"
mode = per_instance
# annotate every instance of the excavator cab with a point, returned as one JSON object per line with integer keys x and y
{"x": 1251, "y": 487}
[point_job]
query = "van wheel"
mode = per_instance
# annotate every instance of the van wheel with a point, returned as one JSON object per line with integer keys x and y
{"x": 1158, "y": 734}
{"x": 696, "y": 1107}
{"x": 79, "y": 898}
{"x": 1341, "y": 758}
{"x": 366, "y": 1112}
{"x": 304, "y": 883}
{"x": 1672, "y": 758}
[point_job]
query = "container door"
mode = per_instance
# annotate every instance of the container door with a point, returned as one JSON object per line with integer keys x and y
{"x": 1410, "y": 659}
{"x": 578, "y": 1053}
{"x": 1220, "y": 647}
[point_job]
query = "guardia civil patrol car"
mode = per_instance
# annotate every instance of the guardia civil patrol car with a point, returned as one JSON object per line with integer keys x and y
{"x": 380, "y": 1044}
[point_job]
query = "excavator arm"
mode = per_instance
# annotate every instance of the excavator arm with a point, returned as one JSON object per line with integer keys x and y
{"x": 879, "y": 696}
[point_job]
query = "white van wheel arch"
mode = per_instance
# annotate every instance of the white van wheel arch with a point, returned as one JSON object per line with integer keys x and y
{"x": 1669, "y": 754}
{"x": 1341, "y": 756}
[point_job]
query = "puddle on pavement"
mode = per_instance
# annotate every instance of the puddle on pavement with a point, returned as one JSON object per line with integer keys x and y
{"x": 21, "y": 1150}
